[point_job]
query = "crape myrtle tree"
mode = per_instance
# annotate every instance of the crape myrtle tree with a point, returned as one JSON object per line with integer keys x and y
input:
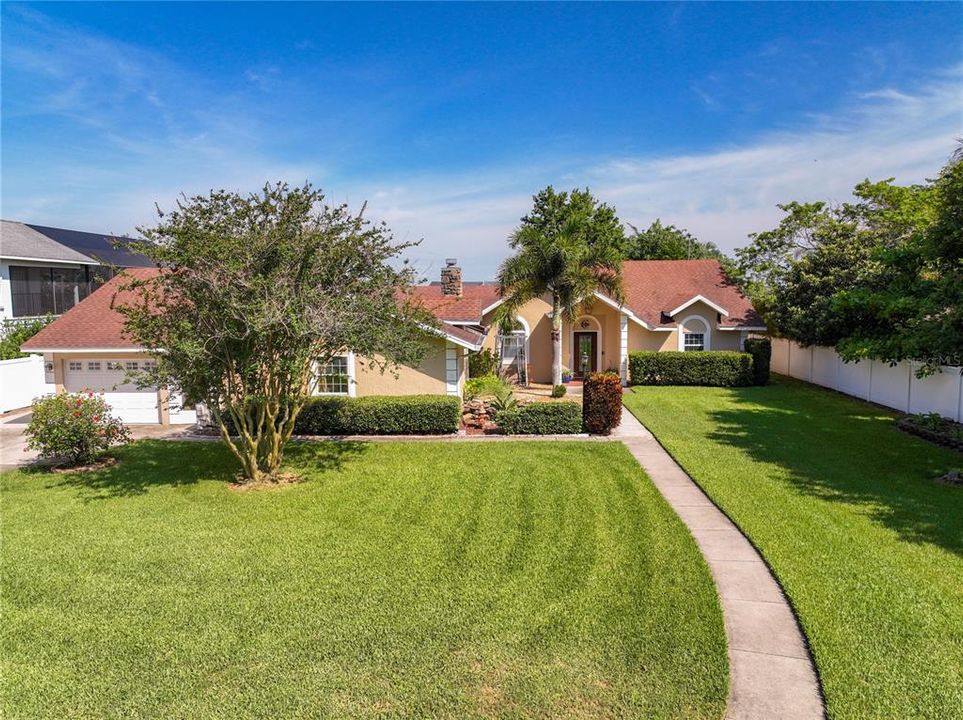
{"x": 255, "y": 294}
{"x": 568, "y": 247}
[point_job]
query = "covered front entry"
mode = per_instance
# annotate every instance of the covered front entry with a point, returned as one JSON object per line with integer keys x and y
{"x": 585, "y": 347}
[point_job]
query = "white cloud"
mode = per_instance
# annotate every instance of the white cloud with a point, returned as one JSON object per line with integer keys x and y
{"x": 721, "y": 195}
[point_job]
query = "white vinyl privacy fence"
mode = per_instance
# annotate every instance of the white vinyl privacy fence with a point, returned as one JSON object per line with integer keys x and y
{"x": 22, "y": 380}
{"x": 893, "y": 386}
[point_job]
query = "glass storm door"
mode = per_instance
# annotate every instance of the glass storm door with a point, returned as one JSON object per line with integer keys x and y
{"x": 585, "y": 353}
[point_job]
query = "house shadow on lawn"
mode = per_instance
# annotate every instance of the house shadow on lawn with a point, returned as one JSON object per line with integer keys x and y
{"x": 148, "y": 464}
{"x": 843, "y": 450}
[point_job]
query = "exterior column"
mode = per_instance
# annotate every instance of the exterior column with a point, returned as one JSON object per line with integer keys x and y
{"x": 624, "y": 348}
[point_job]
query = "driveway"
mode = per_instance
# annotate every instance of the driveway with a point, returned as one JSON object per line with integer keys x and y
{"x": 13, "y": 444}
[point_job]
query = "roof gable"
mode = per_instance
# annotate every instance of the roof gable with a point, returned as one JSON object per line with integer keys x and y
{"x": 654, "y": 287}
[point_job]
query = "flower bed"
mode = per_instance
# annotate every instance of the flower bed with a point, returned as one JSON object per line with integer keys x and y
{"x": 935, "y": 428}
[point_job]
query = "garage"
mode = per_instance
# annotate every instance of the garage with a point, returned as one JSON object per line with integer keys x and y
{"x": 109, "y": 377}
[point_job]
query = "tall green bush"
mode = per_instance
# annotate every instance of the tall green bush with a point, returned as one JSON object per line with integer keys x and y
{"x": 15, "y": 333}
{"x": 716, "y": 368}
{"x": 482, "y": 363}
{"x": 761, "y": 351}
{"x": 601, "y": 402}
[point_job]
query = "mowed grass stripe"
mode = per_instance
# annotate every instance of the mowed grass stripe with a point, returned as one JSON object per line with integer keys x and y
{"x": 845, "y": 509}
{"x": 398, "y": 580}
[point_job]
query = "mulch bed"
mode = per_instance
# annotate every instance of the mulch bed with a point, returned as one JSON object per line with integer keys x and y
{"x": 273, "y": 483}
{"x": 74, "y": 469}
{"x": 950, "y": 438}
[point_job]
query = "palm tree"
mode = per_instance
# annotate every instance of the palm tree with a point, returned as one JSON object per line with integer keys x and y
{"x": 569, "y": 247}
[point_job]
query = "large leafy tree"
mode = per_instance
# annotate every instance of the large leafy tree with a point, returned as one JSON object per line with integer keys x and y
{"x": 256, "y": 293}
{"x": 568, "y": 247}
{"x": 667, "y": 242}
{"x": 876, "y": 278}
{"x": 916, "y": 298}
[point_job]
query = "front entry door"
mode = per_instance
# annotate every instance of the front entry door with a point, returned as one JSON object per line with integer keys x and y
{"x": 585, "y": 353}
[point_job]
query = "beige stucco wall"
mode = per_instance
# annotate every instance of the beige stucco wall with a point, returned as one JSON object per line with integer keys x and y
{"x": 535, "y": 315}
{"x": 651, "y": 340}
{"x": 426, "y": 379}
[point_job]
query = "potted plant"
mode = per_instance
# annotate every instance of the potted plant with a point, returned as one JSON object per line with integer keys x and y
{"x": 566, "y": 375}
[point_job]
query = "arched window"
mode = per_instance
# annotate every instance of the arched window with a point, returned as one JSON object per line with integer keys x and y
{"x": 694, "y": 334}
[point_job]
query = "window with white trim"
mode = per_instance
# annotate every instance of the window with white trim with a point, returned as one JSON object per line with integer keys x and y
{"x": 694, "y": 342}
{"x": 333, "y": 376}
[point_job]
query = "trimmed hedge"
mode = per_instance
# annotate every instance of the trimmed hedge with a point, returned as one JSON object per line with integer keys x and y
{"x": 601, "y": 402}
{"x": 541, "y": 418}
{"x": 380, "y": 415}
{"x": 761, "y": 351}
{"x": 715, "y": 368}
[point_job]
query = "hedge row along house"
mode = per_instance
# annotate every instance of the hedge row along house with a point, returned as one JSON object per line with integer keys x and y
{"x": 682, "y": 305}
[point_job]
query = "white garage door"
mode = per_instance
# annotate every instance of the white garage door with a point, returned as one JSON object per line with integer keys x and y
{"x": 108, "y": 377}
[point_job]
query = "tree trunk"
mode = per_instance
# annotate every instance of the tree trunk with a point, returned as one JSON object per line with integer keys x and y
{"x": 556, "y": 341}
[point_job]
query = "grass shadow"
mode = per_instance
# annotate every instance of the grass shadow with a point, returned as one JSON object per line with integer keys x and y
{"x": 840, "y": 449}
{"x": 148, "y": 464}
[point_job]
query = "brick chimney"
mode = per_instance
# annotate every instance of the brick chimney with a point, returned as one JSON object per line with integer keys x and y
{"x": 451, "y": 278}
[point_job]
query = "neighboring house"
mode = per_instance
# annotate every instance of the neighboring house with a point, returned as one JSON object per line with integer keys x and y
{"x": 669, "y": 305}
{"x": 46, "y": 271}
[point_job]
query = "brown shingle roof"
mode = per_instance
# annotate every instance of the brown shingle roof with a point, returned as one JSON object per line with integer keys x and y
{"x": 92, "y": 323}
{"x": 656, "y": 286}
{"x": 476, "y": 296}
{"x": 652, "y": 287}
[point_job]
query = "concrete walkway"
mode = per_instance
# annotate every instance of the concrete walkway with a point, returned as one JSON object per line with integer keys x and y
{"x": 772, "y": 675}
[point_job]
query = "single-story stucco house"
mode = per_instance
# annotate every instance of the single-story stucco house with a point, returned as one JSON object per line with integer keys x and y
{"x": 669, "y": 305}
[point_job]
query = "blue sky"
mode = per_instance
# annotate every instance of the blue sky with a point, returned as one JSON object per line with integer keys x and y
{"x": 446, "y": 118}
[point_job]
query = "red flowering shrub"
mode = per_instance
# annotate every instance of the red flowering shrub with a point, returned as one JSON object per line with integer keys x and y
{"x": 74, "y": 427}
{"x": 601, "y": 402}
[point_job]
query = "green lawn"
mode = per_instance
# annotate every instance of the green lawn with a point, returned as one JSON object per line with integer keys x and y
{"x": 843, "y": 507}
{"x": 400, "y": 580}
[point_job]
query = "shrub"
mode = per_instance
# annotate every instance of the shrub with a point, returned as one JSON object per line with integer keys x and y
{"x": 934, "y": 427}
{"x": 380, "y": 415}
{"x": 485, "y": 386}
{"x": 504, "y": 400}
{"x": 559, "y": 391}
{"x": 761, "y": 351}
{"x": 481, "y": 363}
{"x": 541, "y": 418}
{"x": 716, "y": 368}
{"x": 601, "y": 402}
{"x": 76, "y": 427}
{"x": 15, "y": 333}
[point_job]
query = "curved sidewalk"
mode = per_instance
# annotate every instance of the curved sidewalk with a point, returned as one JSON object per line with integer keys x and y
{"x": 771, "y": 671}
